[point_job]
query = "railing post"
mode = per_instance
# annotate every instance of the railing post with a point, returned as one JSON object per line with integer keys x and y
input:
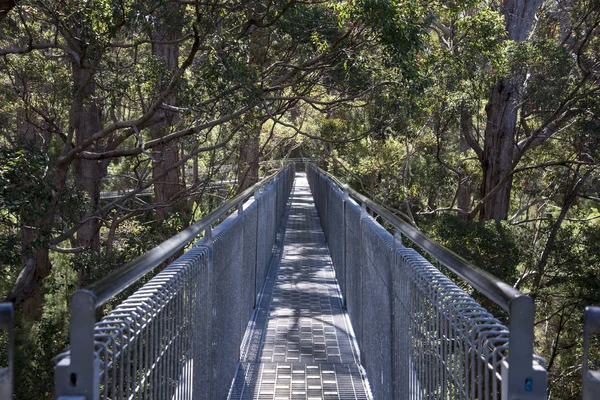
{"x": 77, "y": 374}
{"x": 591, "y": 379}
{"x": 7, "y": 374}
{"x": 521, "y": 378}
{"x": 256, "y": 253}
{"x": 210, "y": 314}
{"x": 346, "y": 198}
{"x": 397, "y": 239}
{"x": 363, "y": 210}
{"x": 208, "y": 238}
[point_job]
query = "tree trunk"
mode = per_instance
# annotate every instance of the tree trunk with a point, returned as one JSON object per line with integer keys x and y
{"x": 249, "y": 157}
{"x": 464, "y": 195}
{"x": 168, "y": 187}
{"x": 501, "y": 127}
{"x": 5, "y": 7}
{"x": 86, "y": 120}
{"x": 28, "y": 290}
{"x": 498, "y": 150}
{"x": 464, "y": 179}
{"x": 569, "y": 199}
{"x": 35, "y": 265}
{"x": 166, "y": 155}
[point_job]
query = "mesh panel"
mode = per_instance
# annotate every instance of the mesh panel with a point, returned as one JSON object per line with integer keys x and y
{"x": 421, "y": 336}
{"x": 266, "y": 233}
{"x": 227, "y": 303}
{"x": 354, "y": 263}
{"x": 150, "y": 345}
{"x": 179, "y": 335}
{"x": 248, "y": 288}
{"x": 377, "y": 307}
{"x": 454, "y": 345}
{"x": 336, "y": 235}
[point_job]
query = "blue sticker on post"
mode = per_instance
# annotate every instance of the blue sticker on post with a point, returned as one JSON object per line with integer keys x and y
{"x": 528, "y": 384}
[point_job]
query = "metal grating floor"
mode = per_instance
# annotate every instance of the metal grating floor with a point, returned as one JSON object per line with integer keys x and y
{"x": 300, "y": 344}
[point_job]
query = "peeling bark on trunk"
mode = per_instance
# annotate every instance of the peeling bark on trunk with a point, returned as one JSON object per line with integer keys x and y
{"x": 498, "y": 150}
{"x": 501, "y": 127}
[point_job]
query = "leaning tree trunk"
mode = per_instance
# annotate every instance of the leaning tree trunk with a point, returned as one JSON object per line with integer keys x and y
{"x": 35, "y": 263}
{"x": 28, "y": 290}
{"x": 166, "y": 155}
{"x": 500, "y": 132}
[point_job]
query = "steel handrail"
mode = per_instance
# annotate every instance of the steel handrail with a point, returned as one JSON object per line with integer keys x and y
{"x": 7, "y": 373}
{"x": 77, "y": 371}
{"x": 524, "y": 376}
{"x": 493, "y": 288}
{"x": 115, "y": 283}
{"x": 591, "y": 379}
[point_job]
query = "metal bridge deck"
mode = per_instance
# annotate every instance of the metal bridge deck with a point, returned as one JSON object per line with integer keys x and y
{"x": 300, "y": 344}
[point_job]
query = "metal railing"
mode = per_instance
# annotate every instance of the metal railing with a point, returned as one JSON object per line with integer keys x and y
{"x": 421, "y": 336}
{"x": 179, "y": 336}
{"x": 7, "y": 373}
{"x": 591, "y": 378}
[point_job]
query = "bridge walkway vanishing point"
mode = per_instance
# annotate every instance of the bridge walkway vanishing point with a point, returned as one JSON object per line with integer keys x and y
{"x": 253, "y": 309}
{"x": 301, "y": 344}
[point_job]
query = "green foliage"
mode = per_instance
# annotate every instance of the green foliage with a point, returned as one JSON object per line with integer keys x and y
{"x": 547, "y": 67}
{"x": 24, "y": 195}
{"x": 37, "y": 345}
{"x": 24, "y": 187}
{"x": 399, "y": 27}
{"x": 490, "y": 245}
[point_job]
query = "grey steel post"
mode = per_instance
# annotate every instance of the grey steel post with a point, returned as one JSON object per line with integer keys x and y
{"x": 256, "y": 257}
{"x": 77, "y": 374}
{"x": 208, "y": 238}
{"x": 397, "y": 239}
{"x": 591, "y": 379}
{"x": 7, "y": 374}
{"x": 363, "y": 210}
{"x": 210, "y": 314}
{"x": 346, "y": 198}
{"x": 521, "y": 377}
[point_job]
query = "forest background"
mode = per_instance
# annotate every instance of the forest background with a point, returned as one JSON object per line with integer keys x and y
{"x": 123, "y": 121}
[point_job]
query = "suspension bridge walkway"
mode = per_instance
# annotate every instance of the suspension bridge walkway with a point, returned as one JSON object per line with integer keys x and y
{"x": 301, "y": 288}
{"x": 302, "y": 345}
